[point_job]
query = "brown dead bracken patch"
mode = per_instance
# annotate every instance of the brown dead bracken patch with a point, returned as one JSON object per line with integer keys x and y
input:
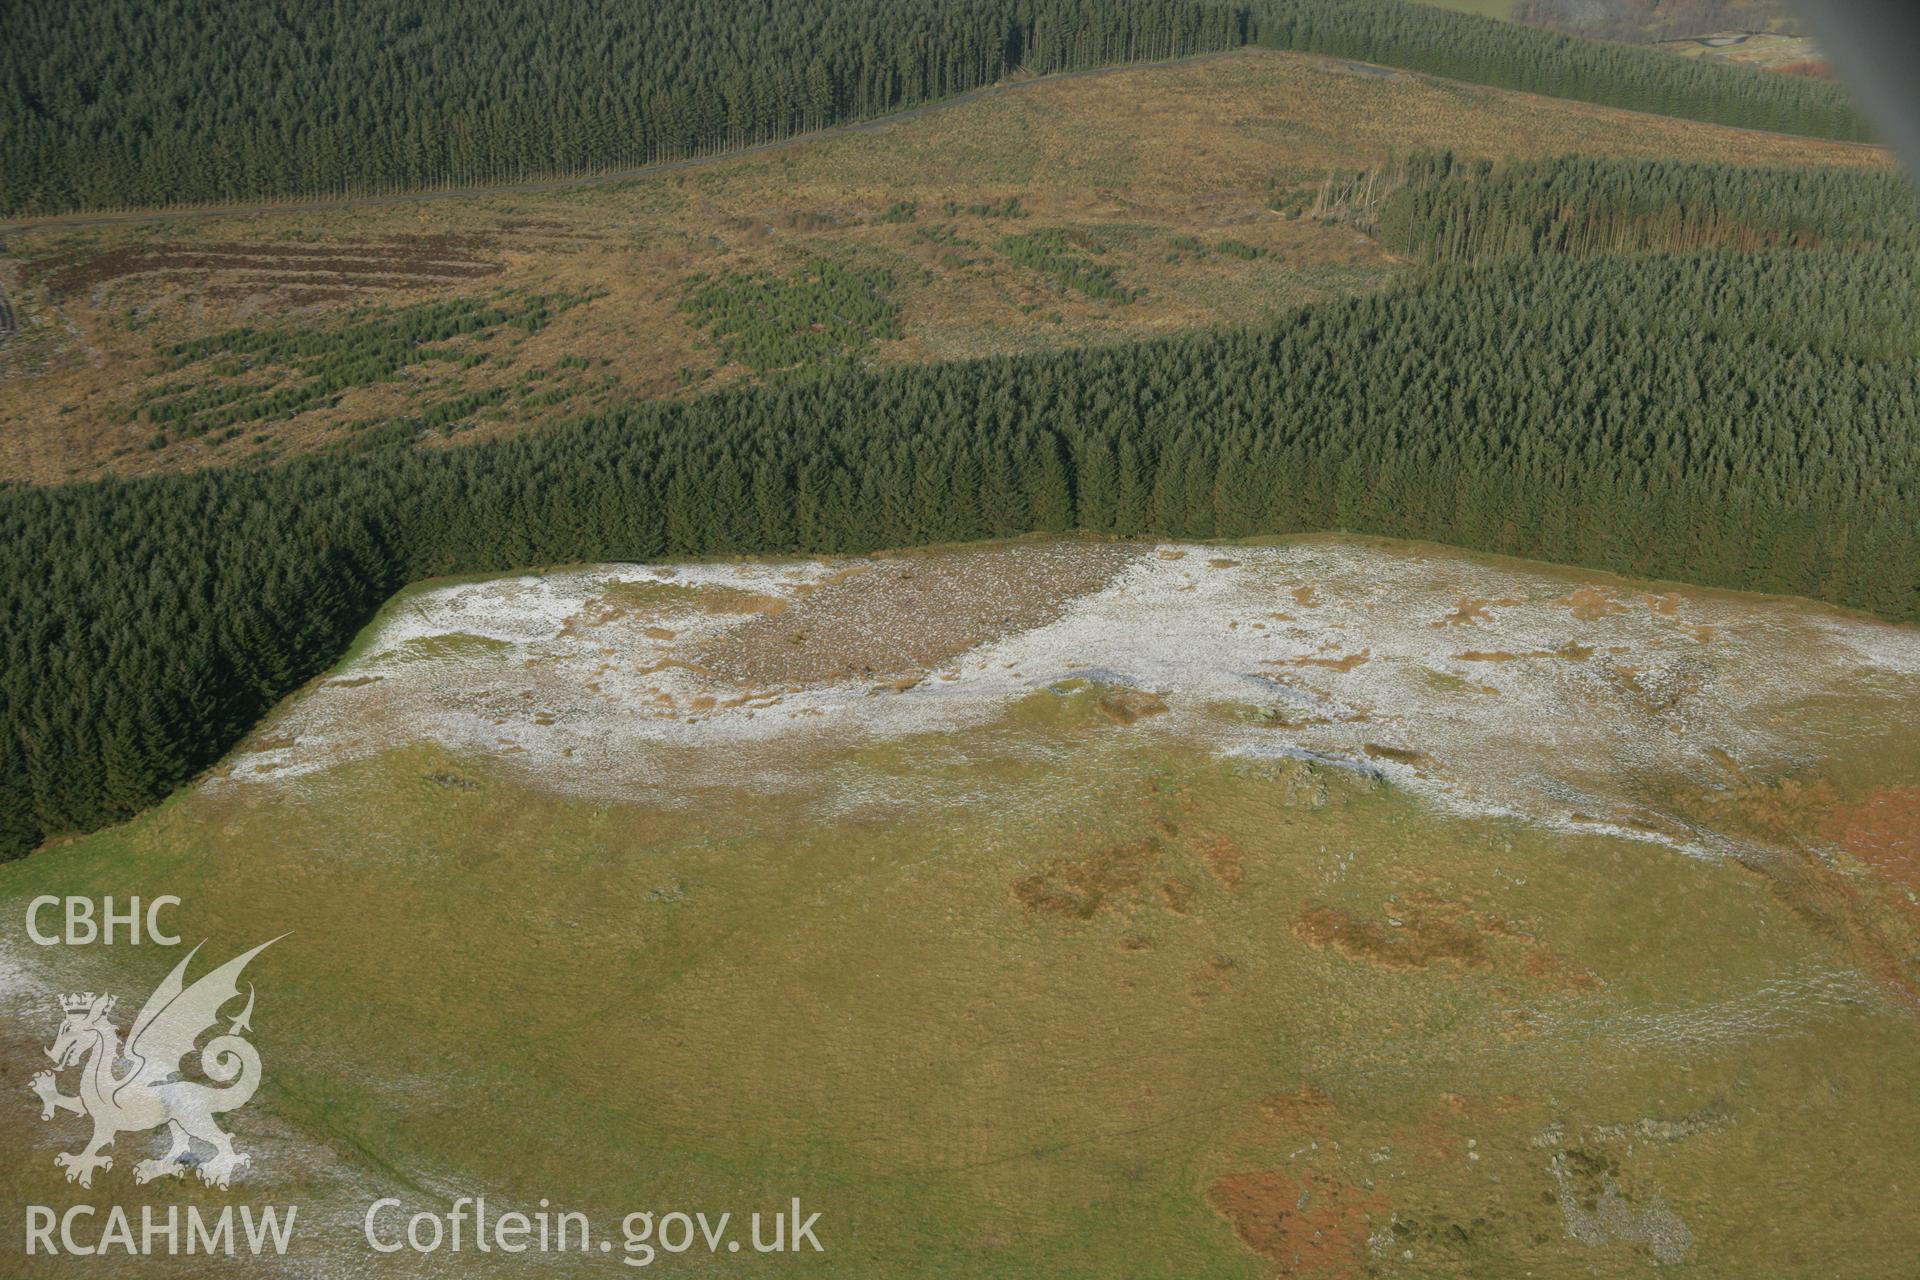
{"x": 1222, "y": 855}
{"x": 1423, "y": 930}
{"x": 1440, "y": 1135}
{"x": 1078, "y": 888}
{"x": 1307, "y": 1110}
{"x": 1313, "y": 1225}
{"x": 1883, "y": 935}
{"x": 1421, "y": 942}
{"x": 1565, "y": 653}
{"x": 1345, "y": 663}
{"x": 1883, "y": 831}
{"x": 1590, "y": 604}
{"x": 1781, "y": 809}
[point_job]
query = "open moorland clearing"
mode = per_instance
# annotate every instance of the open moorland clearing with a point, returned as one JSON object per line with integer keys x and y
{"x": 1766, "y": 50}
{"x": 1098, "y": 209}
{"x": 1485, "y": 8}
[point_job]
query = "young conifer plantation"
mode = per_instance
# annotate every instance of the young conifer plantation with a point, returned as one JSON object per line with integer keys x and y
{"x": 1444, "y": 210}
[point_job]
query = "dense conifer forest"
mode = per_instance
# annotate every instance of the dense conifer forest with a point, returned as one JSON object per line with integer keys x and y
{"x": 1745, "y": 420}
{"x": 118, "y": 102}
{"x": 1484, "y": 51}
{"x": 1448, "y": 211}
{"x": 112, "y": 103}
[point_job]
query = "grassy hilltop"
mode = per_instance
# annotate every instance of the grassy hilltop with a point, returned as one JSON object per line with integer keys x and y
{"x": 1063, "y": 991}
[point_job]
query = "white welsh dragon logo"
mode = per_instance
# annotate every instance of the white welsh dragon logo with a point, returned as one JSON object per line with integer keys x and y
{"x": 147, "y": 1090}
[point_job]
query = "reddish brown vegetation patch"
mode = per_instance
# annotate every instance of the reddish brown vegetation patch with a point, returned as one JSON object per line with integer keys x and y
{"x": 1590, "y": 604}
{"x": 1816, "y": 68}
{"x": 1883, "y": 831}
{"x": 1345, "y": 663}
{"x": 1423, "y": 930}
{"x": 1468, "y": 612}
{"x": 1307, "y": 1110}
{"x": 1781, "y": 810}
{"x": 1565, "y": 653}
{"x": 1222, "y": 855}
{"x": 1314, "y": 1225}
{"x": 1077, "y": 889}
{"x": 1440, "y": 1135}
{"x": 1419, "y": 942}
